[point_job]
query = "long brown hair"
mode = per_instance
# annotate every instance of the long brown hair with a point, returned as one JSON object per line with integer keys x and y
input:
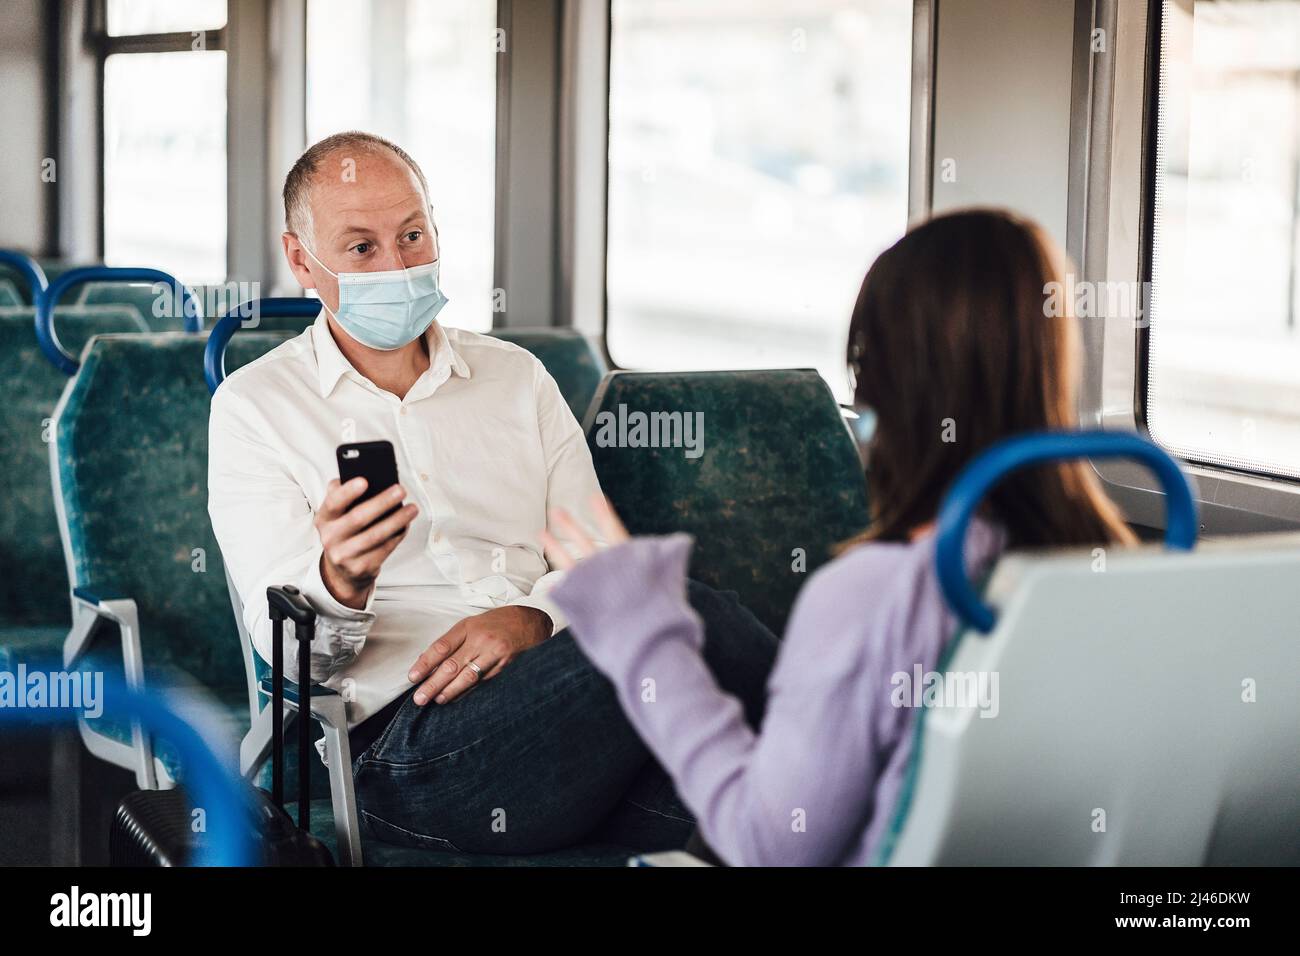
{"x": 954, "y": 344}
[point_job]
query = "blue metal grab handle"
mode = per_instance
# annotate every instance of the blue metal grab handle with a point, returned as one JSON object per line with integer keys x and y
{"x": 28, "y": 268}
{"x": 49, "y": 298}
{"x": 980, "y": 475}
{"x": 279, "y": 307}
{"x": 213, "y": 786}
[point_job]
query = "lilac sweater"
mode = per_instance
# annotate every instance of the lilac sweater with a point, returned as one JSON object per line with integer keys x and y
{"x": 818, "y": 784}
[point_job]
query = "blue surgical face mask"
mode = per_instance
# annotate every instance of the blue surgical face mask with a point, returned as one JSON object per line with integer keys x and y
{"x": 386, "y": 310}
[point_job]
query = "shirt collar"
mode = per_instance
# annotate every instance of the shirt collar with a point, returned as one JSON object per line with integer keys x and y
{"x": 332, "y": 364}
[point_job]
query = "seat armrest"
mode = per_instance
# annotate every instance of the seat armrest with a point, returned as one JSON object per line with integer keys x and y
{"x": 91, "y": 606}
{"x": 291, "y": 691}
{"x": 97, "y": 595}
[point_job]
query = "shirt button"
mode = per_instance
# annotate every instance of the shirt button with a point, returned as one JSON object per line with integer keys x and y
{"x": 423, "y": 476}
{"x": 403, "y": 409}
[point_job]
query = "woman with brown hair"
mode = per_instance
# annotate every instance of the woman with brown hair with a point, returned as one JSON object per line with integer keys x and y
{"x": 954, "y": 345}
{"x": 959, "y": 338}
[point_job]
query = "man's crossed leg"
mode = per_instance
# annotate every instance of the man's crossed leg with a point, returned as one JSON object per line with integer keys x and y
{"x": 541, "y": 756}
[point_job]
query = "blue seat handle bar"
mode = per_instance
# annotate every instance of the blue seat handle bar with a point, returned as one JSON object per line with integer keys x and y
{"x": 279, "y": 307}
{"x": 214, "y": 786}
{"x": 45, "y": 302}
{"x": 28, "y": 268}
{"x": 1034, "y": 448}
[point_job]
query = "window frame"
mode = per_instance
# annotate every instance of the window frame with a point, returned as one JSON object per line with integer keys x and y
{"x": 1111, "y": 186}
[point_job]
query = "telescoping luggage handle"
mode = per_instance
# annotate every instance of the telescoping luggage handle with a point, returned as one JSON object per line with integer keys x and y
{"x": 1034, "y": 448}
{"x": 28, "y": 268}
{"x": 286, "y": 601}
{"x": 47, "y": 299}
{"x": 277, "y": 307}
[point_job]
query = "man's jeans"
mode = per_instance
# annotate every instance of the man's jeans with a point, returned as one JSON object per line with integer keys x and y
{"x": 541, "y": 756}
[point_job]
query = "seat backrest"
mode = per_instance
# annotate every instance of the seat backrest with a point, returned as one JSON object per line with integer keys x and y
{"x": 17, "y": 282}
{"x": 773, "y": 485}
{"x": 141, "y": 280}
{"x": 292, "y": 324}
{"x": 52, "y": 268}
{"x": 152, "y": 301}
{"x": 162, "y": 313}
{"x": 1146, "y": 714}
{"x": 130, "y": 467}
{"x": 33, "y": 583}
{"x": 569, "y": 356}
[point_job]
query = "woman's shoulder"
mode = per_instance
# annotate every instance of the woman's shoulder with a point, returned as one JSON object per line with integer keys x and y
{"x": 873, "y": 579}
{"x": 866, "y": 562}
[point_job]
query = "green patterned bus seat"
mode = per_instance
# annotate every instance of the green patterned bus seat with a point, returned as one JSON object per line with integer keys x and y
{"x": 132, "y": 443}
{"x": 34, "y": 614}
{"x": 764, "y": 473}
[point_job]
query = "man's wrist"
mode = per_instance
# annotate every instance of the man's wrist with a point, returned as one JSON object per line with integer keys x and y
{"x": 540, "y": 622}
{"x": 547, "y": 625}
{"x": 341, "y": 591}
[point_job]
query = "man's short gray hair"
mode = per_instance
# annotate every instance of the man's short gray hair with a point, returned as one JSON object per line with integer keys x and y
{"x": 297, "y": 185}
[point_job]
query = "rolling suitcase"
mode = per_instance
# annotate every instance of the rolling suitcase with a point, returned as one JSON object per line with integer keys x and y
{"x": 153, "y": 827}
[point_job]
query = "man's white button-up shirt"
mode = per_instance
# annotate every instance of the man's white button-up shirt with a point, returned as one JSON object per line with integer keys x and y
{"x": 485, "y": 445}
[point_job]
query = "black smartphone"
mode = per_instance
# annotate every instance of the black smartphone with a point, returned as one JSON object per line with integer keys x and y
{"x": 373, "y": 461}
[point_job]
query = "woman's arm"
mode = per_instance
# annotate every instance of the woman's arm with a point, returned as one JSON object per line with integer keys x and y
{"x": 799, "y": 793}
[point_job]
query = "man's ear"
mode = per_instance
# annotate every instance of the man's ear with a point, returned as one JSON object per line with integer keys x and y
{"x": 297, "y": 259}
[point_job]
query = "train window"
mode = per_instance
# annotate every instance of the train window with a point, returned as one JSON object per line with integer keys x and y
{"x": 423, "y": 74}
{"x": 1224, "y": 319}
{"x": 165, "y": 156}
{"x": 757, "y": 164}
{"x": 134, "y": 17}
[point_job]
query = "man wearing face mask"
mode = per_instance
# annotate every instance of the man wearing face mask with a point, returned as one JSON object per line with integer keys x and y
{"x": 475, "y": 722}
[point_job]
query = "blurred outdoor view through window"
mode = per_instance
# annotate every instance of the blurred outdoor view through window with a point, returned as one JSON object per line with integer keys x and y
{"x": 423, "y": 74}
{"x": 165, "y": 143}
{"x": 1224, "y": 357}
{"x": 137, "y": 17}
{"x": 758, "y": 158}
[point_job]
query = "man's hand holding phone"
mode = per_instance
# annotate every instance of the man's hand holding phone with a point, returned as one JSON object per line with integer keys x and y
{"x": 355, "y": 544}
